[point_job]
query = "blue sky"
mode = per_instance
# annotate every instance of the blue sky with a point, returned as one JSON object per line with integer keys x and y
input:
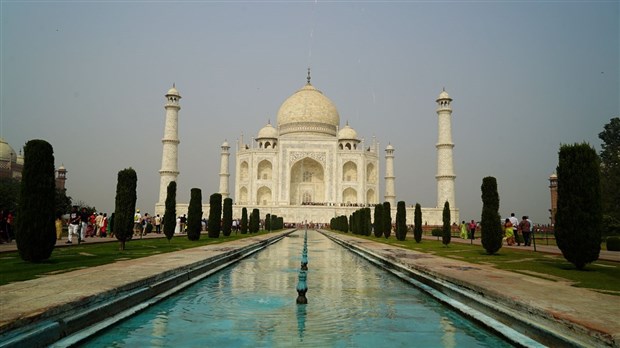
{"x": 526, "y": 77}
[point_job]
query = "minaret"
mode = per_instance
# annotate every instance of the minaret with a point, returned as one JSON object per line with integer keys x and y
{"x": 445, "y": 169}
{"x": 170, "y": 155}
{"x": 390, "y": 193}
{"x": 224, "y": 174}
{"x": 61, "y": 177}
{"x": 553, "y": 188}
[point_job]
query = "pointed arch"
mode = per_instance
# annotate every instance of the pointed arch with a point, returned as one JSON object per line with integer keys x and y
{"x": 349, "y": 196}
{"x": 263, "y": 196}
{"x": 307, "y": 182}
{"x": 264, "y": 170}
{"x": 349, "y": 172}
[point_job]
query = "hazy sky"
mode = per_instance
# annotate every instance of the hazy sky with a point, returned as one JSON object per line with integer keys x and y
{"x": 525, "y": 76}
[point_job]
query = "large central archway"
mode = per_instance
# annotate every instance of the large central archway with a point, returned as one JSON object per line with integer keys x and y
{"x": 307, "y": 182}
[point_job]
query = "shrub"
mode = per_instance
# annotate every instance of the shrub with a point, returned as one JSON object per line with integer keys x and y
{"x": 170, "y": 214}
{"x": 215, "y": 215}
{"x": 255, "y": 221}
{"x": 613, "y": 243}
{"x": 437, "y": 232}
{"x": 417, "y": 221}
{"x": 244, "y": 220}
{"x": 387, "y": 219}
{"x": 579, "y": 215}
{"x": 378, "y": 225}
{"x": 227, "y": 217}
{"x": 194, "y": 215}
{"x": 268, "y": 222}
{"x": 401, "y": 221}
{"x": 490, "y": 222}
{"x": 35, "y": 229}
{"x": 125, "y": 205}
{"x": 446, "y": 232}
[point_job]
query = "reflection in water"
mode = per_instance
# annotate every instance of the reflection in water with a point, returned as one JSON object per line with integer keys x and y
{"x": 301, "y": 321}
{"x": 448, "y": 336}
{"x": 252, "y": 304}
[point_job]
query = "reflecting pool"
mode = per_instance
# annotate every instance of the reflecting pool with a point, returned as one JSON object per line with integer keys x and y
{"x": 351, "y": 303}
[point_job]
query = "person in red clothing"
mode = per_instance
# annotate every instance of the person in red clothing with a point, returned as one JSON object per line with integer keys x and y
{"x": 472, "y": 229}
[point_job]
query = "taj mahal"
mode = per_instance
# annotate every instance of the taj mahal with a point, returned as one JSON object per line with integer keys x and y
{"x": 307, "y": 167}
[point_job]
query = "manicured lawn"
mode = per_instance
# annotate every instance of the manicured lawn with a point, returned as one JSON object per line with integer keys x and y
{"x": 602, "y": 276}
{"x": 65, "y": 259}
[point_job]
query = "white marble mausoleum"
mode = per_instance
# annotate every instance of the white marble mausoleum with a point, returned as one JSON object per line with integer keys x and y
{"x": 306, "y": 167}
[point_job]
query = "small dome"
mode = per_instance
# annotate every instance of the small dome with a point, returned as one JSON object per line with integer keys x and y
{"x": 173, "y": 91}
{"x": 267, "y": 132}
{"x": 62, "y": 168}
{"x": 389, "y": 147}
{"x": 6, "y": 152}
{"x": 225, "y": 144}
{"x": 553, "y": 176}
{"x": 308, "y": 111}
{"x": 444, "y": 95}
{"x": 347, "y": 133}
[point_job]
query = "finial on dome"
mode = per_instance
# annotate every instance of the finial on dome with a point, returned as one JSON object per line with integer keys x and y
{"x": 174, "y": 85}
{"x": 269, "y": 121}
{"x": 308, "y": 78}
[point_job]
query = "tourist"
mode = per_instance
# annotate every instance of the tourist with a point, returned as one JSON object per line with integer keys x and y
{"x": 9, "y": 226}
{"x": 472, "y": 229}
{"x": 525, "y": 227}
{"x": 84, "y": 223}
{"x": 74, "y": 225}
{"x": 509, "y": 232}
{"x": 515, "y": 226}
{"x": 157, "y": 224}
{"x": 58, "y": 224}
{"x": 463, "y": 230}
{"x": 103, "y": 232}
{"x": 145, "y": 222}
{"x": 137, "y": 226}
{"x": 4, "y": 235}
{"x": 177, "y": 227}
{"x": 92, "y": 228}
{"x": 98, "y": 224}
{"x": 182, "y": 223}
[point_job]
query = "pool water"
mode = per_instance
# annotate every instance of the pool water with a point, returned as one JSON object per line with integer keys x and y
{"x": 351, "y": 303}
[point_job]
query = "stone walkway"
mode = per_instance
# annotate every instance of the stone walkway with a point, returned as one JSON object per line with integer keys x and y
{"x": 590, "y": 316}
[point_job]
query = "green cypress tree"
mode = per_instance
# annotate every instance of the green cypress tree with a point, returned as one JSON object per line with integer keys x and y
{"x": 244, "y": 220}
{"x": 446, "y": 233}
{"x": 227, "y": 217}
{"x": 194, "y": 215}
{"x": 35, "y": 230}
{"x": 401, "y": 221}
{"x": 170, "y": 214}
{"x": 268, "y": 222}
{"x": 579, "y": 214}
{"x": 417, "y": 221}
{"x": 387, "y": 219}
{"x": 274, "y": 223}
{"x": 215, "y": 215}
{"x": 490, "y": 222}
{"x": 125, "y": 207}
{"x": 254, "y": 221}
{"x": 378, "y": 225}
{"x": 368, "y": 218}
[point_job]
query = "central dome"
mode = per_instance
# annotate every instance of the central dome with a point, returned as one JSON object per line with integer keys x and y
{"x": 308, "y": 111}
